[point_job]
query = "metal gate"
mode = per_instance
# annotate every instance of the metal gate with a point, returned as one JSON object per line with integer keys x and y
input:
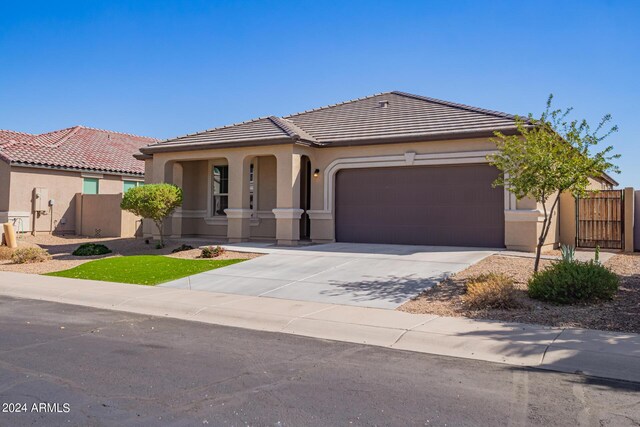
{"x": 600, "y": 220}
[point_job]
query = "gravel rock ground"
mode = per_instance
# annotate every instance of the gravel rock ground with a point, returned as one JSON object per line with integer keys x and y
{"x": 61, "y": 247}
{"x": 621, "y": 314}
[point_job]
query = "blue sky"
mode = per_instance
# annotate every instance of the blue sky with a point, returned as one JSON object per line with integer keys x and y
{"x": 162, "y": 69}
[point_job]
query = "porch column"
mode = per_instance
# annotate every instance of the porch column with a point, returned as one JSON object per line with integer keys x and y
{"x": 288, "y": 210}
{"x": 175, "y": 222}
{"x": 238, "y": 212}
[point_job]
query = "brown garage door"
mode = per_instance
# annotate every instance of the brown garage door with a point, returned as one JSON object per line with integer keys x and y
{"x": 423, "y": 205}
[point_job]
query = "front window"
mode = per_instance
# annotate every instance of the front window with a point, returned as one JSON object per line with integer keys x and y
{"x": 220, "y": 190}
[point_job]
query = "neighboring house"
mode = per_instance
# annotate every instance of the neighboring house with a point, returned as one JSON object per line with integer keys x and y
{"x": 40, "y": 175}
{"x": 388, "y": 168}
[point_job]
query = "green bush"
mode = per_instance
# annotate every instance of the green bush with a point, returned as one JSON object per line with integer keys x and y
{"x": 212, "y": 252}
{"x": 492, "y": 290}
{"x": 91, "y": 249}
{"x": 30, "y": 255}
{"x": 570, "y": 282}
{"x": 182, "y": 248}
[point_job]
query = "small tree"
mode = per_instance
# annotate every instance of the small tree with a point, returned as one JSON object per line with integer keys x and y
{"x": 549, "y": 156}
{"x": 153, "y": 201}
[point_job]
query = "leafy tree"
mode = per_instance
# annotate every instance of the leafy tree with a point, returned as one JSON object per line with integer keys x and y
{"x": 154, "y": 202}
{"x": 551, "y": 155}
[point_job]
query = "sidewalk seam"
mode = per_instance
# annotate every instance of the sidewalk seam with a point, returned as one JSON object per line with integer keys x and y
{"x": 544, "y": 353}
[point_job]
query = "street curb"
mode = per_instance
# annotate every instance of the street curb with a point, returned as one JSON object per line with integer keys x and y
{"x": 596, "y": 353}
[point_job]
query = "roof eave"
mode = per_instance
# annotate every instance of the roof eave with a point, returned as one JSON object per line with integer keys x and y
{"x": 167, "y": 148}
{"x": 75, "y": 168}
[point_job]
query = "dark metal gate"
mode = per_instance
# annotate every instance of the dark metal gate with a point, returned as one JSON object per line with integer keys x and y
{"x": 600, "y": 220}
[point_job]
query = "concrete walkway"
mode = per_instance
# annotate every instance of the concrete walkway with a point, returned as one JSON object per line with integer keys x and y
{"x": 602, "y": 354}
{"x": 365, "y": 275}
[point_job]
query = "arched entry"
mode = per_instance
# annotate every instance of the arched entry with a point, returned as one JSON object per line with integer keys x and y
{"x": 305, "y": 197}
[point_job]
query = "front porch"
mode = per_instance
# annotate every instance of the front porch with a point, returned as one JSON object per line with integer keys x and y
{"x": 237, "y": 196}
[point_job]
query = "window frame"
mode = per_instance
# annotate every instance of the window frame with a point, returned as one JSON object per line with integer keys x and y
{"x": 218, "y": 194}
{"x": 86, "y": 179}
{"x": 136, "y": 184}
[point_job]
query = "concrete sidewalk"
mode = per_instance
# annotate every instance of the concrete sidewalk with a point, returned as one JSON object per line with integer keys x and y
{"x": 597, "y": 353}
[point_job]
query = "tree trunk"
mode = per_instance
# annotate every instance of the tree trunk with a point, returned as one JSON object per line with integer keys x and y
{"x": 546, "y": 226}
{"x": 159, "y": 225}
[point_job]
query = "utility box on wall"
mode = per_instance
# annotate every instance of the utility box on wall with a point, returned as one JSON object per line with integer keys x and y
{"x": 40, "y": 199}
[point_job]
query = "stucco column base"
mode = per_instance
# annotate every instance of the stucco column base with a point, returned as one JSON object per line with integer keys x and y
{"x": 238, "y": 225}
{"x": 322, "y": 226}
{"x": 287, "y": 225}
{"x": 522, "y": 228}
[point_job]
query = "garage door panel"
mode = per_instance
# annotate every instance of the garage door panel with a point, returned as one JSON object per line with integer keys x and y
{"x": 434, "y": 205}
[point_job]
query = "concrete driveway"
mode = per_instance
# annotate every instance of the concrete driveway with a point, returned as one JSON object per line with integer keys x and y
{"x": 368, "y": 275}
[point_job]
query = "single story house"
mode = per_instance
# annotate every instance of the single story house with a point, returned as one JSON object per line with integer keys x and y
{"x": 40, "y": 175}
{"x": 388, "y": 168}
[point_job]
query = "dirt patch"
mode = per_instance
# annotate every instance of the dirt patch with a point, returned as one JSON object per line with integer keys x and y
{"x": 61, "y": 247}
{"x": 621, "y": 314}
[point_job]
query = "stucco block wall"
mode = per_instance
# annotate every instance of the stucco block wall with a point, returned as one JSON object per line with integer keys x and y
{"x": 100, "y": 215}
{"x": 568, "y": 219}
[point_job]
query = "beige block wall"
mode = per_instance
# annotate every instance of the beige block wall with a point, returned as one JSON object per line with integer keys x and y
{"x": 568, "y": 219}
{"x": 629, "y": 219}
{"x": 100, "y": 215}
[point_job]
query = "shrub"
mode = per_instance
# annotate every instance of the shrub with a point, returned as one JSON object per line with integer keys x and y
{"x": 5, "y": 253}
{"x": 182, "y": 248}
{"x": 571, "y": 282}
{"x": 211, "y": 252}
{"x": 90, "y": 249}
{"x": 30, "y": 255}
{"x": 492, "y": 290}
{"x": 153, "y": 201}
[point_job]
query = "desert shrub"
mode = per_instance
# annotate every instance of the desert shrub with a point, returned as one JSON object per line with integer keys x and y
{"x": 30, "y": 255}
{"x": 492, "y": 290}
{"x": 212, "y": 252}
{"x": 90, "y": 249}
{"x": 570, "y": 282}
{"x": 182, "y": 248}
{"x": 5, "y": 253}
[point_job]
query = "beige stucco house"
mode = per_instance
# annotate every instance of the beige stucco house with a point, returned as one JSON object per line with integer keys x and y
{"x": 43, "y": 178}
{"x": 389, "y": 168}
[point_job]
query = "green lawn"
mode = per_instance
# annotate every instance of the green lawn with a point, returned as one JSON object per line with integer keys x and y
{"x": 141, "y": 269}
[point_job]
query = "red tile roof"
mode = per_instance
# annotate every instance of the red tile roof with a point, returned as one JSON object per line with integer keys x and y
{"x": 77, "y": 147}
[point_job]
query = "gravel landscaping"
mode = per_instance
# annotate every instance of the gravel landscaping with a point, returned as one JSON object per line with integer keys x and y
{"x": 61, "y": 247}
{"x": 621, "y": 314}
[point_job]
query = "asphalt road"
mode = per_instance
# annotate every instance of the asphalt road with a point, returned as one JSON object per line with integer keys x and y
{"x": 114, "y": 368}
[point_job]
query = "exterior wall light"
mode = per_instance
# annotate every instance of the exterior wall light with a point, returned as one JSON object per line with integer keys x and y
{"x": 316, "y": 173}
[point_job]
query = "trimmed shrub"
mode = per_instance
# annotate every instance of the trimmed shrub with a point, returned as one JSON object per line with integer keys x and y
{"x": 211, "y": 252}
{"x": 30, "y": 255}
{"x": 91, "y": 249}
{"x": 492, "y": 290}
{"x": 5, "y": 253}
{"x": 571, "y": 282}
{"x": 182, "y": 248}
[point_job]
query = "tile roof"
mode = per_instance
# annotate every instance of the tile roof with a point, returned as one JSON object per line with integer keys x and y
{"x": 77, "y": 147}
{"x": 384, "y": 117}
